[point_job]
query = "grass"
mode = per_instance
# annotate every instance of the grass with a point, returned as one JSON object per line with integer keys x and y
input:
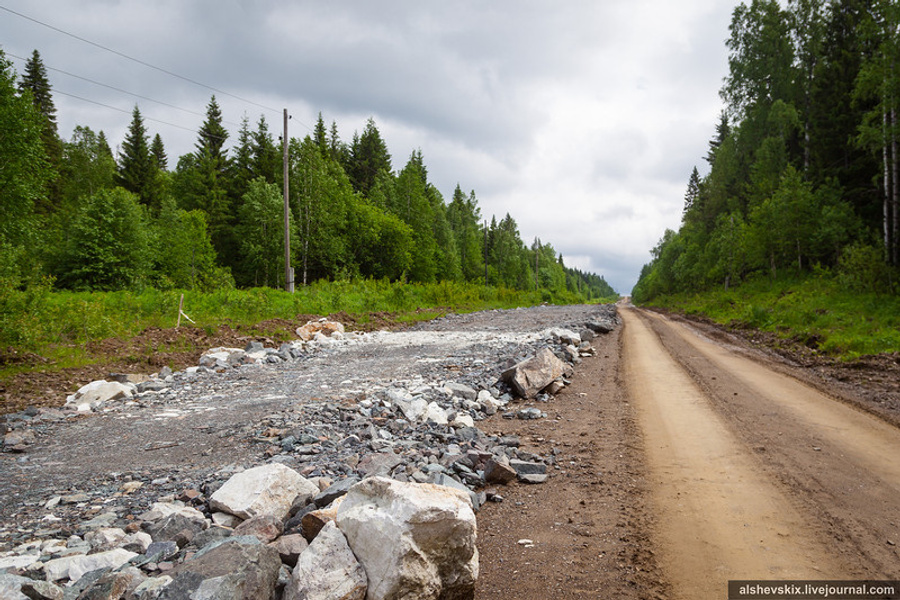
{"x": 60, "y": 326}
{"x": 815, "y": 311}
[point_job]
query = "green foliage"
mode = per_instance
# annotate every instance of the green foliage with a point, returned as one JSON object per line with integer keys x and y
{"x": 107, "y": 245}
{"x": 183, "y": 252}
{"x": 862, "y": 269}
{"x": 788, "y": 193}
{"x": 24, "y": 177}
{"x": 137, "y": 168}
{"x": 261, "y": 233}
{"x": 820, "y": 312}
{"x": 216, "y": 215}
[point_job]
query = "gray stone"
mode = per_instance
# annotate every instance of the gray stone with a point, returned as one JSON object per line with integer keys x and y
{"x": 14, "y": 587}
{"x": 413, "y": 540}
{"x": 601, "y": 325}
{"x": 173, "y": 525}
{"x": 327, "y": 570}
{"x": 235, "y": 569}
{"x": 335, "y": 491}
{"x": 529, "y": 414}
{"x": 267, "y": 489}
{"x": 530, "y": 376}
{"x": 379, "y": 463}
{"x": 522, "y": 467}
{"x": 497, "y": 471}
{"x": 460, "y": 390}
{"x": 533, "y": 478}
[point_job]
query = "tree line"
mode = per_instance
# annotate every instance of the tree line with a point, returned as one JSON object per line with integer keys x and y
{"x": 72, "y": 211}
{"x": 804, "y": 172}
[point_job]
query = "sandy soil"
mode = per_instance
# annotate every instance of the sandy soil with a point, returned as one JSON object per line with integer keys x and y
{"x": 687, "y": 459}
{"x": 753, "y": 473}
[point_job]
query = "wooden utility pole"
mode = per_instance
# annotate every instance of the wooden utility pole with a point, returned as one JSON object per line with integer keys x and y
{"x": 288, "y": 271}
{"x": 485, "y": 253}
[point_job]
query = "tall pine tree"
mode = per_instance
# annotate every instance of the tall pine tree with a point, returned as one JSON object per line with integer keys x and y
{"x": 137, "y": 169}
{"x": 34, "y": 81}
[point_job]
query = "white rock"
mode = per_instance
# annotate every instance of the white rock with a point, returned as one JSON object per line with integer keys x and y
{"x": 105, "y": 537}
{"x": 223, "y": 519}
{"x": 435, "y": 414}
{"x": 327, "y": 570}
{"x": 532, "y": 375}
{"x": 161, "y": 510}
{"x": 96, "y": 393}
{"x": 151, "y": 584}
{"x": 265, "y": 490}
{"x": 462, "y": 420}
{"x": 19, "y": 562}
{"x": 413, "y": 540}
{"x": 567, "y": 336}
{"x": 74, "y": 567}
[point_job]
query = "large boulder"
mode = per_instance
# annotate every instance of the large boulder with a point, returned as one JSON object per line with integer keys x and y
{"x": 327, "y": 570}
{"x": 532, "y": 375}
{"x": 92, "y": 395}
{"x": 265, "y": 490}
{"x": 413, "y": 540}
{"x": 236, "y": 568}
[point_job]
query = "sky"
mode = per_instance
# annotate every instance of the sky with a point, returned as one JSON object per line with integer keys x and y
{"x": 581, "y": 118}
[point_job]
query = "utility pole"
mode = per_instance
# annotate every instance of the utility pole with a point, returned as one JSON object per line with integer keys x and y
{"x": 288, "y": 271}
{"x": 485, "y": 252}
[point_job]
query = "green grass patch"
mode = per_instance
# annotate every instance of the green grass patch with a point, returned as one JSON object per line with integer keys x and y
{"x": 815, "y": 311}
{"x": 60, "y": 326}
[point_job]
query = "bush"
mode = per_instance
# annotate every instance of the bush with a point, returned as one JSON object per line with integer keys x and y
{"x": 862, "y": 268}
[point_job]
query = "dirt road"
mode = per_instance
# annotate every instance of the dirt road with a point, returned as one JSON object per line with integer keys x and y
{"x": 752, "y": 474}
{"x": 684, "y": 462}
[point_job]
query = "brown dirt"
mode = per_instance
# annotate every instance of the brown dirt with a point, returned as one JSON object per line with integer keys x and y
{"x": 754, "y": 473}
{"x": 589, "y": 523}
{"x": 45, "y": 385}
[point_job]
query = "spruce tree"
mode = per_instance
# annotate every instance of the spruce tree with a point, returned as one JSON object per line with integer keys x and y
{"x": 368, "y": 156}
{"x": 212, "y": 134}
{"x": 35, "y": 82}
{"x": 158, "y": 152}
{"x": 137, "y": 170}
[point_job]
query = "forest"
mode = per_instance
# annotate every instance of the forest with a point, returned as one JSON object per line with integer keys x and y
{"x": 803, "y": 174}
{"x": 75, "y": 216}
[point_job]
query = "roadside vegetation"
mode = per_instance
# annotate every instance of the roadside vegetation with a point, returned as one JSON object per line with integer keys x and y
{"x": 816, "y": 311}
{"x": 795, "y": 228}
{"x": 42, "y": 329}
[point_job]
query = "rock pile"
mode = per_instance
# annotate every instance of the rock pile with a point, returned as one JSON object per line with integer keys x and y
{"x": 399, "y": 459}
{"x": 380, "y": 538}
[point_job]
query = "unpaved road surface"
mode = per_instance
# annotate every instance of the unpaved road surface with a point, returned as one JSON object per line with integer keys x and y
{"x": 753, "y": 474}
{"x": 682, "y": 457}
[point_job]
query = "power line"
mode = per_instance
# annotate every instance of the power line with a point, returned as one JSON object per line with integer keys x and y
{"x": 138, "y": 61}
{"x": 121, "y": 110}
{"x": 111, "y": 87}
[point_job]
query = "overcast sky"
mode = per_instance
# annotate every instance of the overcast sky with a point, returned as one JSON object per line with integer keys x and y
{"x": 580, "y": 118}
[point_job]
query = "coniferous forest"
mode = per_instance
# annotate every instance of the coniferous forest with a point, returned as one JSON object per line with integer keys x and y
{"x": 74, "y": 213}
{"x": 803, "y": 168}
